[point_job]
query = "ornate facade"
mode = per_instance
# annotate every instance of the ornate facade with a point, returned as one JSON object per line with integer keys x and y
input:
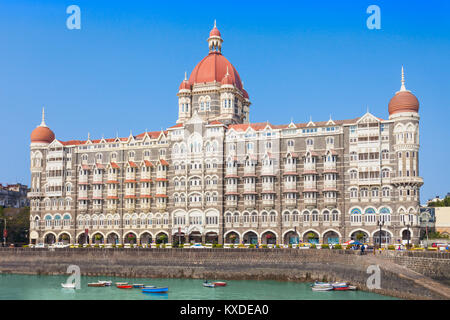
{"x": 215, "y": 177}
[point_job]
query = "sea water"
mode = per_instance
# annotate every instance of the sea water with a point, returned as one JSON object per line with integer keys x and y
{"x": 40, "y": 287}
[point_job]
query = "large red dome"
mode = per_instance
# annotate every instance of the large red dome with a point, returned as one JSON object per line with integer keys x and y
{"x": 403, "y": 101}
{"x": 42, "y": 135}
{"x": 214, "y": 68}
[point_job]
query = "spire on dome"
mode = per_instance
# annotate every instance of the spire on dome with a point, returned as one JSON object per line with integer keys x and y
{"x": 43, "y": 118}
{"x": 185, "y": 76}
{"x": 403, "y": 88}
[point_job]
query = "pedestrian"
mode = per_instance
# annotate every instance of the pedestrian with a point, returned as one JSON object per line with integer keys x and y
{"x": 362, "y": 249}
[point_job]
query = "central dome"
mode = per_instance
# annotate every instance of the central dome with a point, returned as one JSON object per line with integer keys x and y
{"x": 213, "y": 68}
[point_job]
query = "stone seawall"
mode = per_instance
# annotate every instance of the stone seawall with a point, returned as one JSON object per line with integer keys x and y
{"x": 238, "y": 264}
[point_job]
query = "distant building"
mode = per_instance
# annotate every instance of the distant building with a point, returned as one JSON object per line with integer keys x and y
{"x": 14, "y": 195}
{"x": 442, "y": 223}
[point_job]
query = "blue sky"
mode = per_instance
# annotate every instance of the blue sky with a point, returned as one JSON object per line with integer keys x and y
{"x": 298, "y": 59}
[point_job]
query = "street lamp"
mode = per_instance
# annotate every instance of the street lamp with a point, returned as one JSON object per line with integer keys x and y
{"x": 380, "y": 224}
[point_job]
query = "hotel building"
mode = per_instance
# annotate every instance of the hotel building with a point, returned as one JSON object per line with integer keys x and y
{"x": 215, "y": 177}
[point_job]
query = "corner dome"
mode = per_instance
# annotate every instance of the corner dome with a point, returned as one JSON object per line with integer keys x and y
{"x": 403, "y": 101}
{"x": 42, "y": 134}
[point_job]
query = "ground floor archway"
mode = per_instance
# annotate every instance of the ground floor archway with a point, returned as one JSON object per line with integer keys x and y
{"x": 291, "y": 237}
{"x": 268, "y": 237}
{"x": 97, "y": 238}
{"x": 250, "y": 237}
{"x": 161, "y": 238}
{"x": 211, "y": 237}
{"x": 360, "y": 236}
{"x": 83, "y": 239}
{"x": 50, "y": 238}
{"x": 112, "y": 238}
{"x": 130, "y": 238}
{"x": 311, "y": 237}
{"x": 64, "y": 238}
{"x": 146, "y": 238}
{"x": 232, "y": 237}
{"x": 385, "y": 237}
{"x": 331, "y": 237}
{"x": 195, "y": 237}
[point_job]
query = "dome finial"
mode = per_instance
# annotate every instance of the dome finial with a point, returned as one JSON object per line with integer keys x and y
{"x": 215, "y": 40}
{"x": 43, "y": 118}
{"x": 185, "y": 76}
{"x": 403, "y": 88}
{"x": 215, "y": 23}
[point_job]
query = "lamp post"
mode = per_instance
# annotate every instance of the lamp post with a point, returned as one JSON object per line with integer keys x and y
{"x": 380, "y": 224}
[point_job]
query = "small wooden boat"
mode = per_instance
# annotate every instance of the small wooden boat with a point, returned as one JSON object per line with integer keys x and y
{"x": 68, "y": 285}
{"x": 209, "y": 285}
{"x": 352, "y": 288}
{"x": 322, "y": 288}
{"x": 107, "y": 283}
{"x": 220, "y": 284}
{"x": 125, "y": 286}
{"x": 155, "y": 290}
{"x": 318, "y": 284}
{"x": 138, "y": 285}
{"x": 96, "y": 284}
{"x": 149, "y": 287}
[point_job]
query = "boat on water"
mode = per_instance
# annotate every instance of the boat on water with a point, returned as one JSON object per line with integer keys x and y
{"x": 68, "y": 285}
{"x": 121, "y": 283}
{"x": 107, "y": 282}
{"x": 352, "y": 288}
{"x": 148, "y": 287}
{"x": 341, "y": 288}
{"x": 220, "y": 284}
{"x": 155, "y": 290}
{"x": 209, "y": 285}
{"x": 339, "y": 284}
{"x": 96, "y": 284}
{"x": 138, "y": 285}
{"x": 322, "y": 288}
{"x": 125, "y": 286}
{"x": 317, "y": 284}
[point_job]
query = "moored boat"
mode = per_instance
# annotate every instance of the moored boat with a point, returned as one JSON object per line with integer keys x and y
{"x": 322, "y": 288}
{"x": 96, "y": 284}
{"x": 149, "y": 287}
{"x": 68, "y": 285}
{"x": 341, "y": 288}
{"x": 209, "y": 285}
{"x": 125, "y": 286}
{"x": 138, "y": 285}
{"x": 339, "y": 284}
{"x": 352, "y": 288}
{"x": 107, "y": 283}
{"x": 121, "y": 283}
{"x": 155, "y": 290}
{"x": 220, "y": 284}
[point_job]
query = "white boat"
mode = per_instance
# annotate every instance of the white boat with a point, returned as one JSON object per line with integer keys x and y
{"x": 352, "y": 288}
{"x": 107, "y": 283}
{"x": 322, "y": 288}
{"x": 209, "y": 285}
{"x": 68, "y": 285}
{"x": 339, "y": 284}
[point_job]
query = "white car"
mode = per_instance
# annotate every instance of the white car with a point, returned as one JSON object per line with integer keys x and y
{"x": 198, "y": 245}
{"x": 59, "y": 245}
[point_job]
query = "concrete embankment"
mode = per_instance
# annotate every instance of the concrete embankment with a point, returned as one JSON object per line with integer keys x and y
{"x": 403, "y": 275}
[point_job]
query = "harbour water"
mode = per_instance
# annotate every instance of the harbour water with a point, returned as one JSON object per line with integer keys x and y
{"x": 36, "y": 287}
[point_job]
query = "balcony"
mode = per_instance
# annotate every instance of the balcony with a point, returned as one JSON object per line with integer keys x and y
{"x": 268, "y": 202}
{"x": 290, "y": 202}
{"x": 250, "y": 187}
{"x": 82, "y": 194}
{"x": 161, "y": 190}
{"x": 290, "y": 167}
{"x": 231, "y": 171}
{"x": 311, "y": 185}
{"x": 231, "y": 203}
{"x": 290, "y": 186}
{"x": 309, "y": 167}
{"x": 161, "y": 205}
{"x": 329, "y": 184}
{"x": 161, "y": 174}
{"x": 231, "y": 188}
{"x": 83, "y": 179}
{"x": 267, "y": 187}
{"x": 329, "y": 166}
{"x": 268, "y": 171}
{"x": 250, "y": 170}
{"x": 402, "y": 180}
{"x": 112, "y": 177}
{"x": 97, "y": 179}
{"x": 250, "y": 203}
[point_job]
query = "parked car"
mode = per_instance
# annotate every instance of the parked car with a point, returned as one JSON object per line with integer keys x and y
{"x": 198, "y": 245}
{"x": 40, "y": 245}
{"x": 59, "y": 245}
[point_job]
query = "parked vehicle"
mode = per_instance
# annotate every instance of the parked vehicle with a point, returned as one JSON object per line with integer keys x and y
{"x": 155, "y": 290}
{"x": 40, "y": 246}
{"x": 198, "y": 246}
{"x": 59, "y": 245}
